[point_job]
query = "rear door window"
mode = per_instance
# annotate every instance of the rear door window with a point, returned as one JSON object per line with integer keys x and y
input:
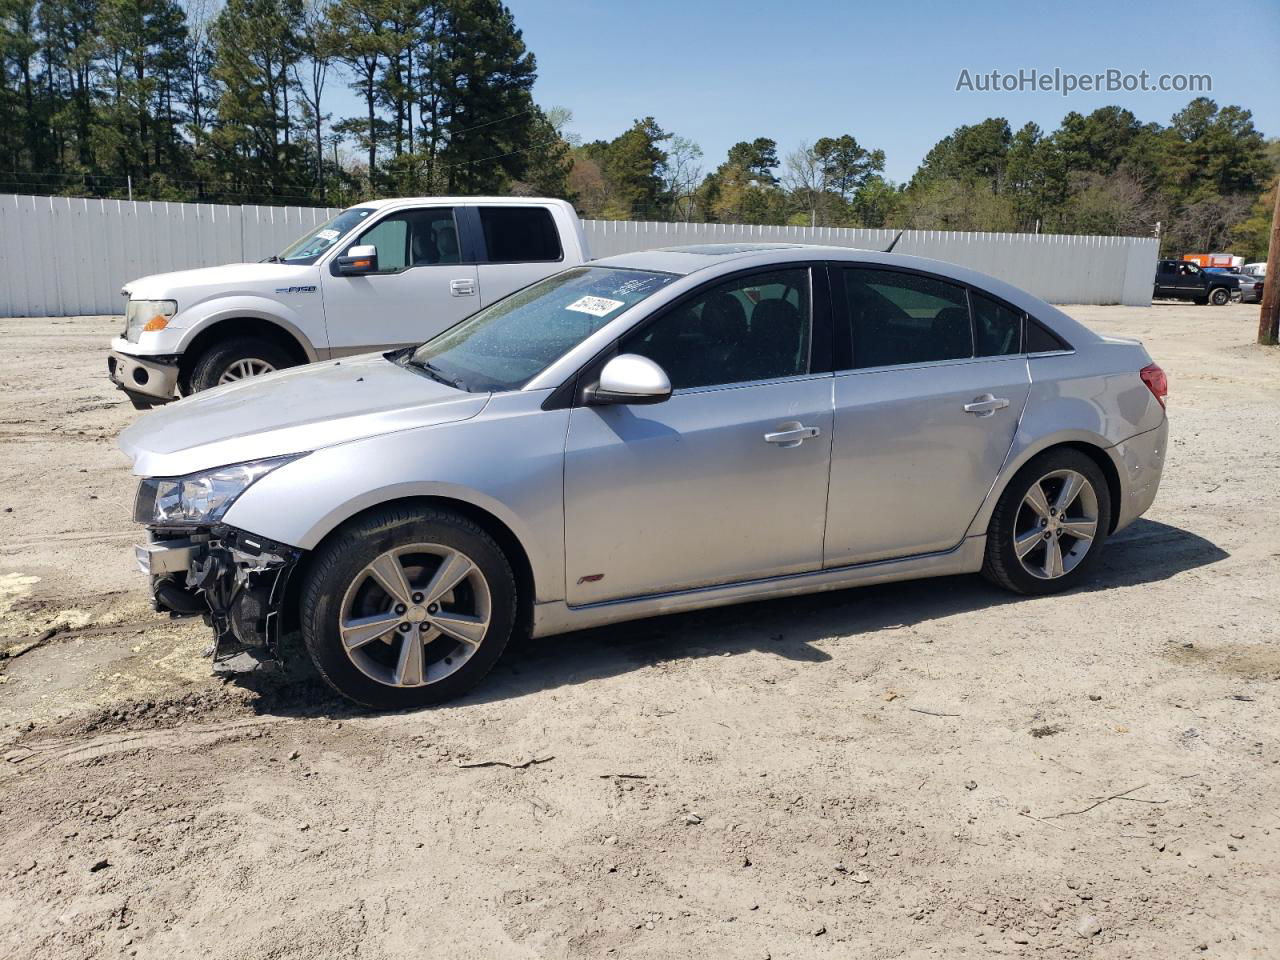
{"x": 900, "y": 318}
{"x": 519, "y": 234}
{"x": 997, "y": 328}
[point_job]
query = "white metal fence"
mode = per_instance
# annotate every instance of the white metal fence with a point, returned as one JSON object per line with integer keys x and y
{"x": 63, "y": 256}
{"x": 1055, "y": 267}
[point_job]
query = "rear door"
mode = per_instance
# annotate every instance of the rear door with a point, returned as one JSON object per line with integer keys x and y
{"x": 519, "y": 245}
{"x": 425, "y": 283}
{"x": 1166, "y": 279}
{"x": 926, "y": 406}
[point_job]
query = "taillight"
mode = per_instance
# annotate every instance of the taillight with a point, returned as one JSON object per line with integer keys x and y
{"x": 1156, "y": 381}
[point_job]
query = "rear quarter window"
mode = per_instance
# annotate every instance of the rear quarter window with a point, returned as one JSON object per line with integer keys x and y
{"x": 1040, "y": 339}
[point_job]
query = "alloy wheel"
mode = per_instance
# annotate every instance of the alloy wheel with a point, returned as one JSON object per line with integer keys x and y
{"x": 244, "y": 369}
{"x": 415, "y": 615}
{"x": 1056, "y": 524}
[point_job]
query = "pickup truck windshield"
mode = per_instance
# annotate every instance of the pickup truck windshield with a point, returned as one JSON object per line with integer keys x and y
{"x": 308, "y": 249}
{"x": 506, "y": 345}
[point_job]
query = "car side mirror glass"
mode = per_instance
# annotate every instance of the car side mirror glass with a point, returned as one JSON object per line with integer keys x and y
{"x": 359, "y": 259}
{"x": 630, "y": 378}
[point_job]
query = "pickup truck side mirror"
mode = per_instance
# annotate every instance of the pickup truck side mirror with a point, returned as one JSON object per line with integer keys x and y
{"x": 358, "y": 260}
{"x": 630, "y": 378}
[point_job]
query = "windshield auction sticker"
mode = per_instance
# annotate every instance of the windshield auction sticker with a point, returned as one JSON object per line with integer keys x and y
{"x": 596, "y": 306}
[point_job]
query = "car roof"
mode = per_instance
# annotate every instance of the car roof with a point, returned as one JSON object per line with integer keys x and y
{"x": 704, "y": 261}
{"x": 694, "y": 257}
{"x": 442, "y": 201}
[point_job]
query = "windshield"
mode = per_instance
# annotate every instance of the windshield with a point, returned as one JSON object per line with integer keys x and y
{"x": 309, "y": 248}
{"x": 506, "y": 345}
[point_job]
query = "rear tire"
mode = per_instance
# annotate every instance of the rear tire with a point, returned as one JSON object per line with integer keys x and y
{"x": 1219, "y": 296}
{"x": 419, "y": 657}
{"x": 1047, "y": 543}
{"x": 239, "y": 358}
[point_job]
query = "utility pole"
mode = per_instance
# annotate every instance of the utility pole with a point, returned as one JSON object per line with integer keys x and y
{"x": 1269, "y": 316}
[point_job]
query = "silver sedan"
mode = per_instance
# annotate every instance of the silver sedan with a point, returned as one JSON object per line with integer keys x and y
{"x": 646, "y": 434}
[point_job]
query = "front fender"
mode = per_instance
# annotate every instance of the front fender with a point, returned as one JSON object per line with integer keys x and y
{"x": 202, "y": 316}
{"x": 508, "y": 462}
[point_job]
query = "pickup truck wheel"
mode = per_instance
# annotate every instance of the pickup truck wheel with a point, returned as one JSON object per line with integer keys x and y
{"x": 237, "y": 359}
{"x": 407, "y": 607}
{"x": 1219, "y": 295}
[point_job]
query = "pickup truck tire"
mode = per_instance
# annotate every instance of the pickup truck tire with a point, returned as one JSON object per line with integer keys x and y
{"x": 236, "y": 359}
{"x": 1219, "y": 295}
{"x": 374, "y": 597}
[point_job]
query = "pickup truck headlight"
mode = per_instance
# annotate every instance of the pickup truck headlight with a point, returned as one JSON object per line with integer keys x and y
{"x": 200, "y": 498}
{"x": 147, "y": 315}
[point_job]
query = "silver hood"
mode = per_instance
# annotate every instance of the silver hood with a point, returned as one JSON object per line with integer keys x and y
{"x": 291, "y": 411}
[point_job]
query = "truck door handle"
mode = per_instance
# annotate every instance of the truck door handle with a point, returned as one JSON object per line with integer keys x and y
{"x": 985, "y": 405}
{"x": 791, "y": 434}
{"x": 462, "y": 288}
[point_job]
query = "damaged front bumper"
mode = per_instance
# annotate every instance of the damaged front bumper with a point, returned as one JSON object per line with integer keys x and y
{"x": 146, "y": 381}
{"x": 236, "y": 580}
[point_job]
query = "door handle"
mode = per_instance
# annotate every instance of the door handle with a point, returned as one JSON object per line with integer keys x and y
{"x": 985, "y": 405}
{"x": 462, "y": 288}
{"x": 791, "y": 434}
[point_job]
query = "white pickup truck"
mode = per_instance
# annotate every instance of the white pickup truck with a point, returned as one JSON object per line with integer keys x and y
{"x": 379, "y": 275}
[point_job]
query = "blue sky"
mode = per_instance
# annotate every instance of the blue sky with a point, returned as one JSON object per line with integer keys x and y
{"x": 719, "y": 72}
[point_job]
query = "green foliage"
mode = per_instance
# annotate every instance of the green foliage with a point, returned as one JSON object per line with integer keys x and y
{"x": 630, "y": 171}
{"x": 171, "y": 101}
{"x": 1251, "y": 236}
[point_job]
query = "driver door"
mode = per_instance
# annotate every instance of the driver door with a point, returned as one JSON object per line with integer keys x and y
{"x": 727, "y": 479}
{"x": 422, "y": 285}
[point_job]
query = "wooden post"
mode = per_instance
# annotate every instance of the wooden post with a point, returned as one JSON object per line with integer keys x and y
{"x": 1269, "y": 316}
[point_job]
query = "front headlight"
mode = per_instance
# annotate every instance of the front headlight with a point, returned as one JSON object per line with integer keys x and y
{"x": 147, "y": 316}
{"x": 201, "y": 498}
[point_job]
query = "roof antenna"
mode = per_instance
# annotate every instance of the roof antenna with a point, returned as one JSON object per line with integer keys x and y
{"x": 889, "y": 248}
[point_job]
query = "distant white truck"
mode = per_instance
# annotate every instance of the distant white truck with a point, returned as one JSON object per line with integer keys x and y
{"x": 380, "y": 275}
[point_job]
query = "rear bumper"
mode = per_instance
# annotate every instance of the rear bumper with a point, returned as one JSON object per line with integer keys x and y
{"x": 146, "y": 381}
{"x": 1140, "y": 461}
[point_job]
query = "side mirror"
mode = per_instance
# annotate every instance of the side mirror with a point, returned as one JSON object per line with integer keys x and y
{"x": 361, "y": 259}
{"x": 630, "y": 378}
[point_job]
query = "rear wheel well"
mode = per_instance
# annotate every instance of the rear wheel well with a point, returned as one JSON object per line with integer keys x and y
{"x": 237, "y": 327}
{"x": 1108, "y": 468}
{"x": 491, "y": 525}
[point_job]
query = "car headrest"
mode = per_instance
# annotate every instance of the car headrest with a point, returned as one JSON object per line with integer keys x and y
{"x": 447, "y": 243}
{"x": 723, "y": 319}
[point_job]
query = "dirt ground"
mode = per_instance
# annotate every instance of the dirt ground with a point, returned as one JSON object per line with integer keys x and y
{"x": 926, "y": 769}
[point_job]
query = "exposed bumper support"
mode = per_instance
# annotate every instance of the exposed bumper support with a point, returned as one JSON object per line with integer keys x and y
{"x": 146, "y": 381}
{"x": 236, "y": 580}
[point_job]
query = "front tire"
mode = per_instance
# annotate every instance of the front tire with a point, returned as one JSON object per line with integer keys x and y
{"x": 239, "y": 358}
{"x": 1050, "y": 524}
{"x": 1219, "y": 296}
{"x": 404, "y": 608}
